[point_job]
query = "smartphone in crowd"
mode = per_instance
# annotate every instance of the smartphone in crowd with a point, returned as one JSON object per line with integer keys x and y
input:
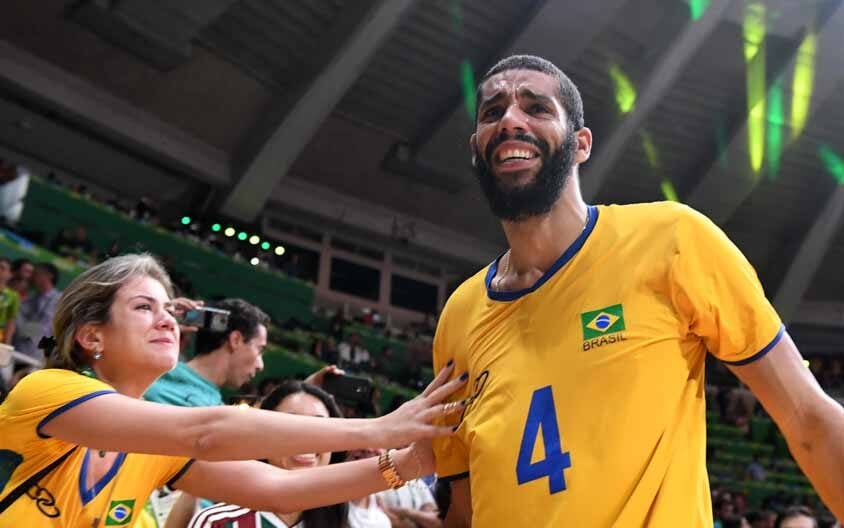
{"x": 349, "y": 390}
{"x": 207, "y": 318}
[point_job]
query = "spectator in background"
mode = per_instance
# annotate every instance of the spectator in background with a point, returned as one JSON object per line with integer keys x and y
{"x": 797, "y": 517}
{"x": 354, "y": 353}
{"x": 763, "y": 519}
{"x": 326, "y": 350}
{"x": 724, "y": 509}
{"x": 410, "y": 506}
{"x": 113, "y": 250}
{"x": 755, "y": 470}
{"x": 735, "y": 521}
{"x": 10, "y": 302}
{"x": 223, "y": 359}
{"x": 292, "y": 266}
{"x": 303, "y": 399}
{"x": 22, "y": 270}
{"x": 74, "y": 244}
{"x": 337, "y": 325}
{"x": 145, "y": 211}
{"x": 81, "y": 243}
{"x": 35, "y": 319}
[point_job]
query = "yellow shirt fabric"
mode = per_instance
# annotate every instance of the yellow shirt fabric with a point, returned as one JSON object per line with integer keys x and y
{"x": 587, "y": 390}
{"x": 62, "y": 498}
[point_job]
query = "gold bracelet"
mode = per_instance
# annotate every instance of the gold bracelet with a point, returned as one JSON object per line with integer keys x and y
{"x": 388, "y": 470}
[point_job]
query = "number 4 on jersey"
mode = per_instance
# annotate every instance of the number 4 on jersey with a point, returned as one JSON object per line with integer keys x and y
{"x": 542, "y": 414}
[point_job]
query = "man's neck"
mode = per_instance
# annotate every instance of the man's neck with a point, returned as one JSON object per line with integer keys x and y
{"x": 536, "y": 243}
{"x": 212, "y": 366}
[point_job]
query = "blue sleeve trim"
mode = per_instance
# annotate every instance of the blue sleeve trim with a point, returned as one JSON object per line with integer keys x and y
{"x": 67, "y": 406}
{"x": 452, "y": 478}
{"x": 761, "y": 353}
{"x": 172, "y": 482}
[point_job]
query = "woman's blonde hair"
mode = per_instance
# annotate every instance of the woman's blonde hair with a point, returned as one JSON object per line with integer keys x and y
{"x": 88, "y": 299}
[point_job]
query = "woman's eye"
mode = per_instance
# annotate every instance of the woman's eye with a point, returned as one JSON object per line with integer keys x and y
{"x": 145, "y": 306}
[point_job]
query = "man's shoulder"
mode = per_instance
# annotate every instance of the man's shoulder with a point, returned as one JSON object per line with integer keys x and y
{"x": 651, "y": 212}
{"x": 467, "y": 294}
{"x": 651, "y": 221}
{"x": 185, "y": 387}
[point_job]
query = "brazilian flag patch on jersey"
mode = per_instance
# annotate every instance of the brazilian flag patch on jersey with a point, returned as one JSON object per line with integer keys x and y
{"x": 120, "y": 512}
{"x": 601, "y": 322}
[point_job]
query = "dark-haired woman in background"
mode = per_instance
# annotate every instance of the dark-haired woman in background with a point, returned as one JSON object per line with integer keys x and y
{"x": 292, "y": 397}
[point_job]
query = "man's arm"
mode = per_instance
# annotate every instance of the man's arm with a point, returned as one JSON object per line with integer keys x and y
{"x": 811, "y": 421}
{"x": 460, "y": 511}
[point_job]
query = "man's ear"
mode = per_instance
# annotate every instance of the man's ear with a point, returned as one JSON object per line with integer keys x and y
{"x": 90, "y": 337}
{"x": 235, "y": 339}
{"x": 584, "y": 145}
{"x": 473, "y": 147}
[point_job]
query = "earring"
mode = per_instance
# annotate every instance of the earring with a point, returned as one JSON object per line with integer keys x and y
{"x": 98, "y": 355}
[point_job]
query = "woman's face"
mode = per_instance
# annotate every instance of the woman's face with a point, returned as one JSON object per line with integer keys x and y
{"x": 141, "y": 334}
{"x": 303, "y": 404}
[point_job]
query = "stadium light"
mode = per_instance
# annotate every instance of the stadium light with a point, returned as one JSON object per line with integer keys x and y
{"x": 753, "y": 30}
{"x": 241, "y": 236}
{"x": 229, "y": 232}
{"x": 625, "y": 92}
{"x": 216, "y": 227}
{"x": 803, "y": 84}
{"x": 254, "y": 239}
{"x": 697, "y": 8}
{"x": 254, "y": 261}
{"x": 185, "y": 220}
{"x": 279, "y": 250}
{"x": 265, "y": 245}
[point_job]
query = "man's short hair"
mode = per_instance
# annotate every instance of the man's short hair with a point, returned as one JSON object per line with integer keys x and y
{"x": 795, "y": 511}
{"x": 243, "y": 317}
{"x": 50, "y": 269}
{"x": 568, "y": 93}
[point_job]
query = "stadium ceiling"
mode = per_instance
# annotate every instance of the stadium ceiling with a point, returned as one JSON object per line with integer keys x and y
{"x": 733, "y": 106}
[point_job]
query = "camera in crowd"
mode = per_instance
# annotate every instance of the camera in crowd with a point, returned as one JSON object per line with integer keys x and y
{"x": 207, "y": 318}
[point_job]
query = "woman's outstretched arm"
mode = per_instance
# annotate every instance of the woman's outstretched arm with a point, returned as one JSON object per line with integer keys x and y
{"x": 114, "y": 422}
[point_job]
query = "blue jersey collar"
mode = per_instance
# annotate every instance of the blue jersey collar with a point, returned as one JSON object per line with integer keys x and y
{"x": 568, "y": 254}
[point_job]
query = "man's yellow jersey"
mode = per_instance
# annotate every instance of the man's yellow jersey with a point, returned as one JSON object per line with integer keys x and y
{"x": 587, "y": 389}
{"x": 63, "y": 498}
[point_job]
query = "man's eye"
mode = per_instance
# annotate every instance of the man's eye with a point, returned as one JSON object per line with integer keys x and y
{"x": 538, "y": 109}
{"x": 491, "y": 113}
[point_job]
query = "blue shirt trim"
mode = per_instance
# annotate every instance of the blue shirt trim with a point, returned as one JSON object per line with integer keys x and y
{"x": 69, "y": 405}
{"x": 87, "y": 495}
{"x": 568, "y": 254}
{"x": 761, "y": 353}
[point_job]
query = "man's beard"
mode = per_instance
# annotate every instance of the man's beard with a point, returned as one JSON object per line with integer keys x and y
{"x": 535, "y": 198}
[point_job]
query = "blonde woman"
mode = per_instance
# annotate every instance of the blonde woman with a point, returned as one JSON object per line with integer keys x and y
{"x": 80, "y": 449}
